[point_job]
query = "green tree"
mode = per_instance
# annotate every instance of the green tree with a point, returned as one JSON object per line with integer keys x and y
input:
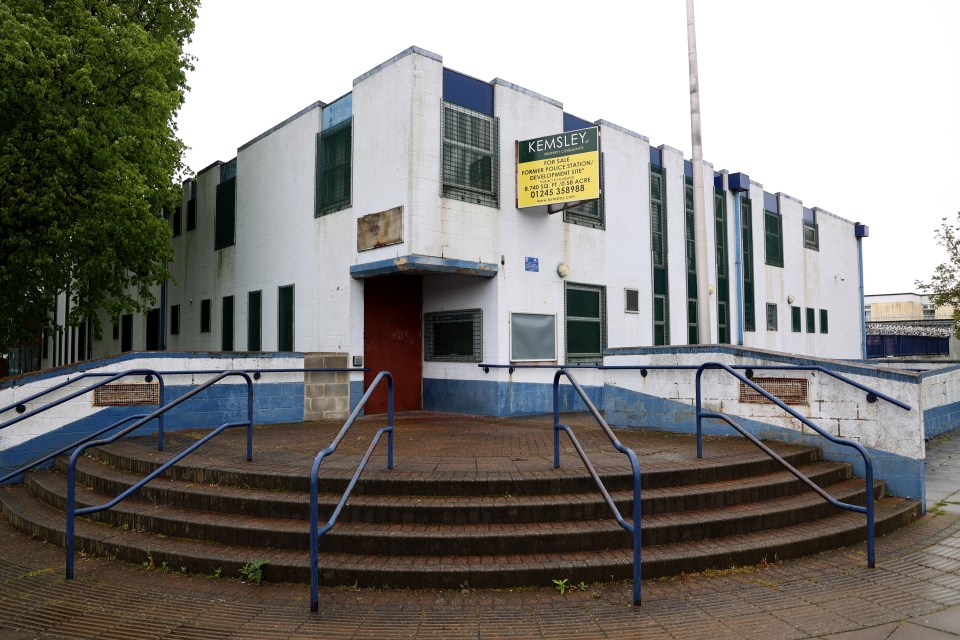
{"x": 944, "y": 286}
{"x": 89, "y": 155}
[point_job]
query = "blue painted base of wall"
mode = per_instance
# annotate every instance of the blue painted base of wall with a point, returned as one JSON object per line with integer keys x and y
{"x": 632, "y": 409}
{"x": 940, "y": 420}
{"x": 489, "y": 398}
{"x": 272, "y": 403}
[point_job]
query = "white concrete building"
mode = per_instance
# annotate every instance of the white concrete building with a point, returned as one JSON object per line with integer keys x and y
{"x": 384, "y": 226}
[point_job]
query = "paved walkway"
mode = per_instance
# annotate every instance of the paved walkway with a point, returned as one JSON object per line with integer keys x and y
{"x": 914, "y": 593}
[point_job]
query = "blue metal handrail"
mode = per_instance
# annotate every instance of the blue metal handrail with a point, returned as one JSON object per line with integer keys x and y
{"x": 872, "y": 394}
{"x": 315, "y": 531}
{"x": 634, "y": 527}
{"x": 69, "y": 447}
{"x": 72, "y": 511}
{"x": 20, "y": 405}
{"x": 868, "y": 463}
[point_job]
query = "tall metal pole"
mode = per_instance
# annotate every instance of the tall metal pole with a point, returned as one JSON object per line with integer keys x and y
{"x": 699, "y": 208}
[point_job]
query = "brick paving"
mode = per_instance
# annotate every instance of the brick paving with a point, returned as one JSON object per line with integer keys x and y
{"x": 914, "y": 592}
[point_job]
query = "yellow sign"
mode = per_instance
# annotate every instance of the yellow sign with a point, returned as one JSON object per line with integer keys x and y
{"x": 559, "y": 168}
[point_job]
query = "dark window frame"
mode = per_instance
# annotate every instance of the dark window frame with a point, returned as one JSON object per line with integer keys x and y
{"x": 334, "y": 167}
{"x": 174, "y": 319}
{"x": 255, "y": 329}
{"x": 205, "y": 315}
{"x": 569, "y": 321}
{"x": 463, "y": 178}
{"x": 438, "y": 325}
{"x": 811, "y": 320}
{"x": 796, "y": 317}
{"x": 773, "y": 238}
{"x": 772, "y": 317}
{"x": 824, "y": 322}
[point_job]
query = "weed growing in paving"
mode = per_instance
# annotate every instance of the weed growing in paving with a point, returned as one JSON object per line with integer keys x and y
{"x": 561, "y": 585}
{"x": 253, "y": 571}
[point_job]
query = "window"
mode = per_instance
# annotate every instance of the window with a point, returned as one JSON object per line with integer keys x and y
{"x": 453, "y": 336}
{"x": 589, "y": 213}
{"x": 811, "y": 320}
{"x": 795, "y": 319}
{"x": 126, "y": 332}
{"x": 632, "y": 302}
{"x": 823, "y": 321}
{"x": 116, "y": 331}
{"x": 254, "y": 315}
{"x": 470, "y": 156}
{"x": 152, "y": 337}
{"x": 746, "y": 229}
{"x": 334, "y": 157}
{"x": 689, "y": 230}
{"x": 226, "y": 325}
{"x": 192, "y": 207}
{"x": 226, "y": 221}
{"x": 773, "y": 238}
{"x": 175, "y": 320}
{"x": 658, "y": 248}
{"x": 811, "y": 232}
{"x": 771, "y": 317}
{"x": 533, "y": 337}
{"x": 285, "y": 310}
{"x": 176, "y": 220}
{"x": 586, "y": 323}
{"x": 723, "y": 266}
{"x": 205, "y": 316}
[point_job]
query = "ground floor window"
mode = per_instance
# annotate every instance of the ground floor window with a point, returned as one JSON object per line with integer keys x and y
{"x": 586, "y": 323}
{"x": 285, "y": 318}
{"x": 453, "y": 336}
{"x": 254, "y": 314}
{"x": 533, "y": 337}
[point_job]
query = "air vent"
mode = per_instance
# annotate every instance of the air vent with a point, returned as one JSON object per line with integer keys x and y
{"x": 787, "y": 390}
{"x": 124, "y": 394}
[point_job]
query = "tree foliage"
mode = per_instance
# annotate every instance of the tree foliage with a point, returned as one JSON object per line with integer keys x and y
{"x": 89, "y": 154}
{"x": 944, "y": 286}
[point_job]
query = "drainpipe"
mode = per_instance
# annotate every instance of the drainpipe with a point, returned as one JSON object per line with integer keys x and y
{"x": 861, "y": 231}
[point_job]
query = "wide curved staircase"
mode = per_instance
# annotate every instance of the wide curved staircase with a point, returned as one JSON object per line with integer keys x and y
{"x": 496, "y": 515}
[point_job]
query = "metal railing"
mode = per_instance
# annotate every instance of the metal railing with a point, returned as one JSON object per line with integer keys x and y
{"x": 72, "y": 511}
{"x": 868, "y": 463}
{"x": 634, "y": 527}
{"x": 21, "y": 408}
{"x": 872, "y": 394}
{"x": 315, "y": 530}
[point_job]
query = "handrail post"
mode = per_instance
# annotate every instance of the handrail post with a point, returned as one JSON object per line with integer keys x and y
{"x": 160, "y": 423}
{"x": 868, "y": 472}
{"x": 699, "y": 415}
{"x": 556, "y": 417}
{"x": 636, "y": 531}
{"x": 249, "y": 382}
{"x": 390, "y": 421}
{"x": 71, "y": 517}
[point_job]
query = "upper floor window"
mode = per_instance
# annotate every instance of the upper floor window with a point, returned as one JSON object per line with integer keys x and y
{"x": 226, "y": 221}
{"x": 811, "y": 232}
{"x": 335, "y": 156}
{"x": 470, "y": 156}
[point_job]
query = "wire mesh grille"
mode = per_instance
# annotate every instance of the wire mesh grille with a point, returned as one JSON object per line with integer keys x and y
{"x": 126, "y": 393}
{"x": 788, "y": 390}
{"x": 453, "y": 336}
{"x": 470, "y": 158}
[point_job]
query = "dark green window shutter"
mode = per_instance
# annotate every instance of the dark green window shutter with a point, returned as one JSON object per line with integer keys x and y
{"x": 795, "y": 319}
{"x": 586, "y": 330}
{"x": 773, "y": 235}
{"x": 226, "y": 325}
{"x": 823, "y": 321}
{"x": 723, "y": 269}
{"x": 746, "y": 229}
{"x": 811, "y": 320}
{"x": 205, "y": 316}
{"x": 334, "y": 164}
{"x": 285, "y": 309}
{"x": 693, "y": 332}
{"x": 226, "y": 221}
{"x": 254, "y": 315}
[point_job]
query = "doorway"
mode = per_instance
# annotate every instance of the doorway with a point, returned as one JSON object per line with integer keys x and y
{"x": 393, "y": 340}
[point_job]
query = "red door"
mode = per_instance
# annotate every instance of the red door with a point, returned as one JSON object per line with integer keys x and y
{"x": 393, "y": 340}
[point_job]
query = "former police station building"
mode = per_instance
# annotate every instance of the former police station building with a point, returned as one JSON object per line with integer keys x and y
{"x": 385, "y": 226}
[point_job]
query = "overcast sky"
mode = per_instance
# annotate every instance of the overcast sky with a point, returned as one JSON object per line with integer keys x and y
{"x": 852, "y": 106}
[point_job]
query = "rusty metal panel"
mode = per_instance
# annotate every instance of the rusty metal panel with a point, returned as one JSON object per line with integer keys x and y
{"x": 380, "y": 229}
{"x": 121, "y": 394}
{"x": 788, "y": 390}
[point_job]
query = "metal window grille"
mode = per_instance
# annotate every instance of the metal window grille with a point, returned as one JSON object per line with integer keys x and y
{"x": 787, "y": 390}
{"x": 693, "y": 332}
{"x": 772, "y": 319}
{"x": 591, "y": 213}
{"x": 120, "y": 394}
{"x": 658, "y": 245}
{"x": 471, "y": 167}
{"x": 811, "y": 236}
{"x": 632, "y": 302}
{"x": 453, "y": 336}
